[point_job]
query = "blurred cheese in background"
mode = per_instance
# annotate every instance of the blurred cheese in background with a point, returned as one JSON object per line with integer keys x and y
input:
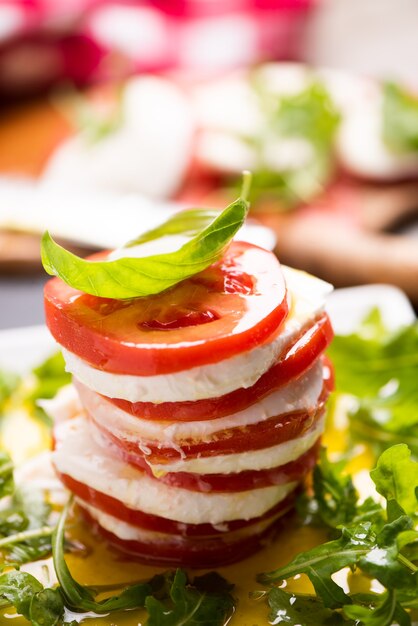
{"x": 147, "y": 151}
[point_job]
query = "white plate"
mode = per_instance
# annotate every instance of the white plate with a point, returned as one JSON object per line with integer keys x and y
{"x": 23, "y": 348}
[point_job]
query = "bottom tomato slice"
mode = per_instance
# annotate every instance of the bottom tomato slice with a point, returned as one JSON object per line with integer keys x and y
{"x": 230, "y": 483}
{"x": 134, "y": 517}
{"x": 297, "y": 359}
{"x": 204, "y": 553}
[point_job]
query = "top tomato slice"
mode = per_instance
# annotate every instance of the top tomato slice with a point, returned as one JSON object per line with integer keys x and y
{"x": 231, "y": 307}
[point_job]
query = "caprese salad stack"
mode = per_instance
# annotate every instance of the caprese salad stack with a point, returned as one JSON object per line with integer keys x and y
{"x": 199, "y": 409}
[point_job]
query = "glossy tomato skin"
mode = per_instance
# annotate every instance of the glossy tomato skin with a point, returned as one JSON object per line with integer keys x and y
{"x": 295, "y": 471}
{"x": 298, "y": 358}
{"x": 207, "y": 552}
{"x": 258, "y": 436}
{"x": 231, "y": 307}
{"x": 147, "y": 521}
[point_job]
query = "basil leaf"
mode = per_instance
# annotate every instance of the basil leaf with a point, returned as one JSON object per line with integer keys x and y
{"x": 188, "y": 223}
{"x": 400, "y": 118}
{"x": 133, "y": 277}
{"x": 301, "y": 610}
{"x": 189, "y": 605}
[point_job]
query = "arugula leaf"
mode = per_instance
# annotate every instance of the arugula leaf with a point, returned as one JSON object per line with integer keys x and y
{"x": 301, "y": 610}
{"x": 400, "y": 118}
{"x": 8, "y": 384}
{"x": 326, "y": 559}
{"x": 42, "y": 607}
{"x": 80, "y": 598}
{"x": 380, "y": 369}
{"x": 50, "y": 376}
{"x": 131, "y": 277}
{"x": 6, "y": 475}
{"x": 189, "y": 605}
{"x": 396, "y": 477}
{"x": 385, "y": 547}
{"x": 334, "y": 501}
{"x": 383, "y": 613}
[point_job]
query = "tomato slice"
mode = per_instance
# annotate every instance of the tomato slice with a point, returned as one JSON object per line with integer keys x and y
{"x": 297, "y": 360}
{"x": 135, "y": 517}
{"x": 231, "y": 307}
{"x": 258, "y": 436}
{"x": 229, "y": 483}
{"x": 204, "y": 553}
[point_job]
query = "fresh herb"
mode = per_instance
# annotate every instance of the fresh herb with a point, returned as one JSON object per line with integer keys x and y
{"x": 379, "y": 368}
{"x": 383, "y": 548}
{"x": 41, "y": 606}
{"x": 334, "y": 499}
{"x": 400, "y": 118}
{"x": 98, "y": 122}
{"x": 131, "y": 277}
{"x": 80, "y": 598}
{"x": 25, "y": 532}
{"x": 8, "y": 384}
{"x": 43, "y": 382}
{"x": 307, "y": 121}
{"x": 194, "y": 605}
{"x": 297, "y": 610}
{"x": 170, "y": 599}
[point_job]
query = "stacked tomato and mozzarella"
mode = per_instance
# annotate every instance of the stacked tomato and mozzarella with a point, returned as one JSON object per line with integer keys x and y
{"x": 194, "y": 414}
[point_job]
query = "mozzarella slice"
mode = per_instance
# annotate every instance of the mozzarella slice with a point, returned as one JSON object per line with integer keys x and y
{"x": 79, "y": 456}
{"x": 266, "y": 458}
{"x": 128, "y": 532}
{"x": 301, "y": 394}
{"x": 307, "y": 297}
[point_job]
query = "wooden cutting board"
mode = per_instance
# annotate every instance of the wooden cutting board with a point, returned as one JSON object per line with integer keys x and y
{"x": 29, "y": 134}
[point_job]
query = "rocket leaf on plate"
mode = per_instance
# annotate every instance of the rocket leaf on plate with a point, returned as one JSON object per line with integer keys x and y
{"x": 379, "y": 368}
{"x": 191, "y": 605}
{"x": 383, "y": 548}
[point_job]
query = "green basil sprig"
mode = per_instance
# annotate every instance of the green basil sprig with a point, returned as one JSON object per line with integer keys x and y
{"x": 131, "y": 277}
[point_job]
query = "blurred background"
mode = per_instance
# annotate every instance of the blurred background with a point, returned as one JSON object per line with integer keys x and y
{"x": 114, "y": 114}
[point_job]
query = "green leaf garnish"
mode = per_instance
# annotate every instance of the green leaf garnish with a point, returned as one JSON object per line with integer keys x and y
{"x": 334, "y": 501}
{"x": 383, "y": 548}
{"x": 80, "y": 598}
{"x": 396, "y": 477}
{"x": 43, "y": 607}
{"x": 400, "y": 119}
{"x": 308, "y": 116}
{"x": 379, "y": 368}
{"x": 131, "y": 277}
{"x": 191, "y": 605}
{"x": 294, "y": 610}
